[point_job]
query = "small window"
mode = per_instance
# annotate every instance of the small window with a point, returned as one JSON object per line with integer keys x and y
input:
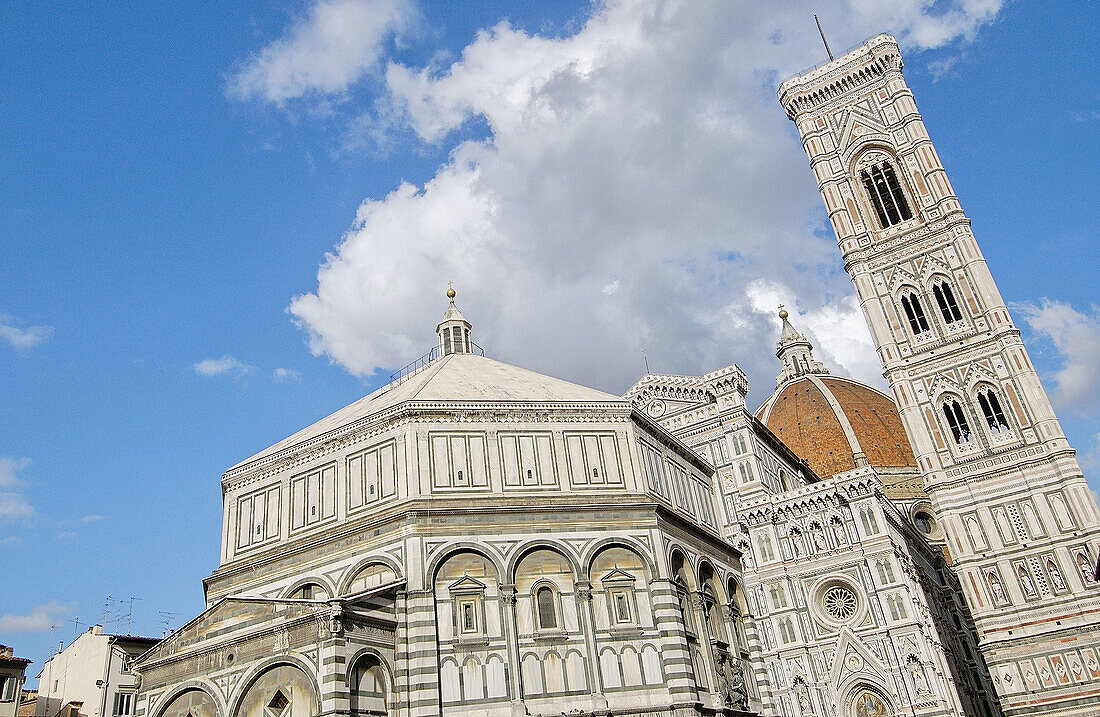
{"x": 7, "y": 688}
{"x": 621, "y": 603}
{"x": 529, "y": 478}
{"x": 925, "y": 523}
{"x": 124, "y": 704}
{"x": 469, "y": 615}
{"x": 460, "y": 476}
{"x": 914, "y": 312}
{"x": 956, "y": 421}
{"x": 595, "y": 472}
{"x": 991, "y": 409}
{"x": 278, "y": 704}
{"x": 945, "y": 299}
{"x": 883, "y": 189}
{"x": 544, "y": 603}
{"x": 310, "y": 591}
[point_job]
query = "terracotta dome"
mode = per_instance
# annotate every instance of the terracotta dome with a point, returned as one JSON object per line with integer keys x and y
{"x": 836, "y": 424}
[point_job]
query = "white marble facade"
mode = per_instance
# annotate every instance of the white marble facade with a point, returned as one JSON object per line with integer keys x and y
{"x": 843, "y": 598}
{"x": 478, "y": 539}
{"x": 471, "y": 539}
{"x": 1019, "y": 521}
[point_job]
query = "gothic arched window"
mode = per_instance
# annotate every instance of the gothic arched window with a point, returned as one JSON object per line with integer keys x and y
{"x": 956, "y": 421}
{"x": 945, "y": 299}
{"x": 883, "y": 189}
{"x": 914, "y": 312}
{"x": 991, "y": 409}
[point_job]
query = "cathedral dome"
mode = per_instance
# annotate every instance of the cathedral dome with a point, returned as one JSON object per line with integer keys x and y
{"x": 836, "y": 424}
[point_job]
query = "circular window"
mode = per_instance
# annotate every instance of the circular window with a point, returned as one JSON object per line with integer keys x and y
{"x": 839, "y": 603}
{"x": 925, "y": 523}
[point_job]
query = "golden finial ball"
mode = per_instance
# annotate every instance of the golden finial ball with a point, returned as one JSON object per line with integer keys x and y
{"x": 782, "y": 313}
{"x": 450, "y": 293}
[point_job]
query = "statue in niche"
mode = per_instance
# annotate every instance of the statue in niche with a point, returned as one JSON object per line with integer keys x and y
{"x": 838, "y": 533}
{"x": 1026, "y": 583}
{"x": 997, "y": 588}
{"x": 1055, "y": 576}
{"x": 802, "y": 692}
{"x": 796, "y": 542}
{"x": 1086, "y": 569}
{"x": 818, "y": 537}
{"x": 737, "y": 697}
{"x": 916, "y": 672}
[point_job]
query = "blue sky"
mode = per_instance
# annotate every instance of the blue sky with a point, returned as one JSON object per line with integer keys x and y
{"x": 172, "y": 180}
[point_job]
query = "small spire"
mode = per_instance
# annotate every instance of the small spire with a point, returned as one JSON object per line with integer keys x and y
{"x": 454, "y": 329}
{"x": 795, "y": 351}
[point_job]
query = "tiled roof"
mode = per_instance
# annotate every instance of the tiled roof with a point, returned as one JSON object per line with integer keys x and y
{"x": 828, "y": 429}
{"x": 459, "y": 377}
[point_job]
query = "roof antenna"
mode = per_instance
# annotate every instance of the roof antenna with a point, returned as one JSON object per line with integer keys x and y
{"x": 822, "y": 33}
{"x": 646, "y": 359}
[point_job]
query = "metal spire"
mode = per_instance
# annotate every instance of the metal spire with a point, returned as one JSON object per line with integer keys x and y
{"x": 822, "y": 33}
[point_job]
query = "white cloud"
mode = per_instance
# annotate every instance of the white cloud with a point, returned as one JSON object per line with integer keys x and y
{"x": 93, "y": 518}
{"x": 837, "y": 329}
{"x": 1090, "y": 459}
{"x": 40, "y": 619}
{"x": 1076, "y": 336}
{"x": 66, "y": 535}
{"x": 22, "y": 338}
{"x": 333, "y": 46}
{"x": 285, "y": 374}
{"x": 648, "y": 147}
{"x": 225, "y": 364}
{"x": 13, "y": 505}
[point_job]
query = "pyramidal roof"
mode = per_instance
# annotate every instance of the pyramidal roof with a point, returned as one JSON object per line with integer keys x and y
{"x": 453, "y": 378}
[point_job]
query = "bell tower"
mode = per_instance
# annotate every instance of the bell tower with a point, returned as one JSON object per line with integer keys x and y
{"x": 1021, "y": 525}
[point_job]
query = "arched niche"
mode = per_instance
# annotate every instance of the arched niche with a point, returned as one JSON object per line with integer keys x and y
{"x": 543, "y": 576}
{"x": 371, "y": 575}
{"x": 192, "y": 702}
{"x": 282, "y": 690}
{"x": 467, "y": 593}
{"x": 866, "y": 700}
{"x": 370, "y": 686}
{"x": 617, "y": 576}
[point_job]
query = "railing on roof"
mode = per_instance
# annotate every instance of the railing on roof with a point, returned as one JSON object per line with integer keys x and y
{"x": 410, "y": 369}
{"x": 836, "y": 56}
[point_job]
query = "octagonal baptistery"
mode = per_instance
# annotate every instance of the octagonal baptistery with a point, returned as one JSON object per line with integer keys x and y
{"x": 472, "y": 538}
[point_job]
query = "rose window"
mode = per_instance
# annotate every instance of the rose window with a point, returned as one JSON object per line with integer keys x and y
{"x": 839, "y": 603}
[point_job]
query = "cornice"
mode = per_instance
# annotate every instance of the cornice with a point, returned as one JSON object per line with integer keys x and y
{"x": 415, "y": 512}
{"x": 207, "y": 646}
{"x": 904, "y": 245}
{"x": 830, "y": 493}
{"x": 861, "y": 66}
